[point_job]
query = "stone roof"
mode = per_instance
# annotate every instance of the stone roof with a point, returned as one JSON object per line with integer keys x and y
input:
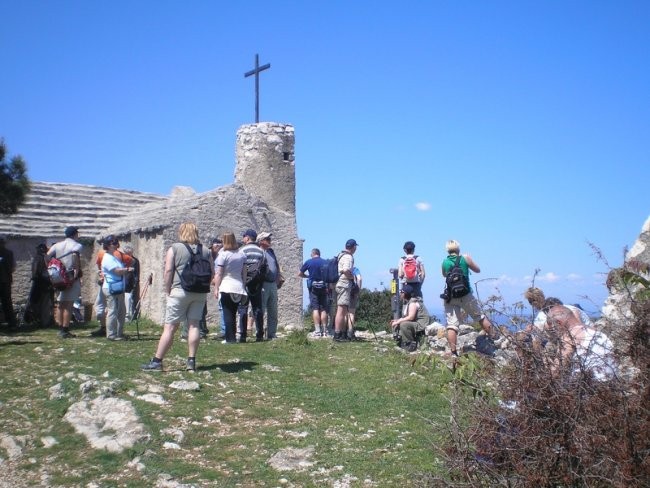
{"x": 49, "y": 207}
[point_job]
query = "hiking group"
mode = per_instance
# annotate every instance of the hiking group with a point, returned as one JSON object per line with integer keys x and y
{"x": 245, "y": 278}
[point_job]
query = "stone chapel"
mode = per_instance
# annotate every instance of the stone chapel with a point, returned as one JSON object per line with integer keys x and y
{"x": 262, "y": 197}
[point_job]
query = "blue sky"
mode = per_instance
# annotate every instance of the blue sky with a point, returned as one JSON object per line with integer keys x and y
{"x": 520, "y": 129}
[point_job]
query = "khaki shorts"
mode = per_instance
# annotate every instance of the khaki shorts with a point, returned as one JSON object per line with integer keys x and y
{"x": 71, "y": 294}
{"x": 184, "y": 305}
{"x": 467, "y": 303}
{"x": 343, "y": 296}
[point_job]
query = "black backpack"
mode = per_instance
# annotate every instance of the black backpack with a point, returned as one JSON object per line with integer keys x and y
{"x": 456, "y": 284}
{"x": 197, "y": 273}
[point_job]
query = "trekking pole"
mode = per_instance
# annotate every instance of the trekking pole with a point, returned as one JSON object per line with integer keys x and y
{"x": 138, "y": 306}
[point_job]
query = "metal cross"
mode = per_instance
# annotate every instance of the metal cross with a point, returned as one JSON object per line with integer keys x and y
{"x": 256, "y": 72}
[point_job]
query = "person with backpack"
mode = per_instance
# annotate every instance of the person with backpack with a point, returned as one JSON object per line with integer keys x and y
{"x": 66, "y": 254}
{"x": 411, "y": 269}
{"x": 189, "y": 271}
{"x": 41, "y": 295}
{"x": 344, "y": 289}
{"x": 114, "y": 272}
{"x": 230, "y": 284}
{"x": 256, "y": 268}
{"x": 458, "y": 294}
{"x": 415, "y": 318}
{"x": 273, "y": 281}
{"x": 318, "y": 291}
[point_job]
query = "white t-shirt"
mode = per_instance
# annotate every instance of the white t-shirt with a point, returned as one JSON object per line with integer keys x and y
{"x": 595, "y": 353}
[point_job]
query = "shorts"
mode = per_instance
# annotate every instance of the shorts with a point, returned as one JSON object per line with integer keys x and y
{"x": 184, "y": 305}
{"x": 343, "y": 296}
{"x": 71, "y": 294}
{"x": 467, "y": 303}
{"x": 318, "y": 299}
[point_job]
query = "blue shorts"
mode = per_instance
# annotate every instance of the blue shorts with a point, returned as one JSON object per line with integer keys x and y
{"x": 318, "y": 299}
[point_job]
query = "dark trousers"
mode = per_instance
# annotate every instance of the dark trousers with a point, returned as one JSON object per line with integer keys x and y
{"x": 229, "y": 308}
{"x": 258, "y": 313}
{"x": 41, "y": 303}
{"x": 7, "y": 304}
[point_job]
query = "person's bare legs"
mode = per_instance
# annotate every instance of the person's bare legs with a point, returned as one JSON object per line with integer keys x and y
{"x": 341, "y": 318}
{"x": 193, "y": 339}
{"x": 451, "y": 338}
{"x": 167, "y": 339}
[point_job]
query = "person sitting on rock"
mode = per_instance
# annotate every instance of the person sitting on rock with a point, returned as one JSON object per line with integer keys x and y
{"x": 414, "y": 320}
{"x": 581, "y": 349}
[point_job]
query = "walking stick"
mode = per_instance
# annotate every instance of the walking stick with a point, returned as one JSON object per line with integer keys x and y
{"x": 136, "y": 311}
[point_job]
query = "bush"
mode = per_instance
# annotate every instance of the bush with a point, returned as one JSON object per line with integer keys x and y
{"x": 542, "y": 428}
{"x": 374, "y": 309}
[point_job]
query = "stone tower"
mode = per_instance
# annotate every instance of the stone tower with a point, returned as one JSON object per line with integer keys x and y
{"x": 265, "y": 163}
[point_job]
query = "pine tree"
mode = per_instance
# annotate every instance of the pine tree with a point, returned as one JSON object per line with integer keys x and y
{"x": 14, "y": 184}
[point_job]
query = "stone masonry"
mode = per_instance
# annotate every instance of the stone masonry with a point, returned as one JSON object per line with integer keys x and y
{"x": 262, "y": 198}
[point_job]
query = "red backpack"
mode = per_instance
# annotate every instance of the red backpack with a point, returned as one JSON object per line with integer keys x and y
{"x": 60, "y": 277}
{"x": 410, "y": 267}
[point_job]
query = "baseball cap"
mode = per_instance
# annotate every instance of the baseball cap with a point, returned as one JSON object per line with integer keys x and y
{"x": 250, "y": 233}
{"x": 71, "y": 230}
{"x": 110, "y": 239}
{"x": 263, "y": 235}
{"x": 351, "y": 243}
{"x": 216, "y": 240}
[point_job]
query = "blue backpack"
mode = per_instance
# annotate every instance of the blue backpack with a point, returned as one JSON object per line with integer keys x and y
{"x": 329, "y": 271}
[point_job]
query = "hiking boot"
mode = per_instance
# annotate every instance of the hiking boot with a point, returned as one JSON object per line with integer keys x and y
{"x": 339, "y": 337}
{"x": 152, "y": 365}
{"x": 191, "y": 365}
{"x": 242, "y": 340}
{"x": 411, "y": 346}
{"x": 352, "y": 337}
{"x": 66, "y": 334}
{"x": 321, "y": 331}
{"x": 98, "y": 333}
{"x": 259, "y": 339}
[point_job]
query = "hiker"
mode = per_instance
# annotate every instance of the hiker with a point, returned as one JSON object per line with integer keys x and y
{"x": 411, "y": 269}
{"x": 181, "y": 304}
{"x": 114, "y": 272}
{"x": 229, "y": 284}
{"x": 541, "y": 304}
{"x": 41, "y": 295}
{"x": 318, "y": 291}
{"x": 215, "y": 247}
{"x": 354, "y": 303}
{"x": 68, "y": 251}
{"x": 100, "y": 300}
{"x": 467, "y": 302}
{"x": 581, "y": 348}
{"x": 132, "y": 285}
{"x": 273, "y": 281}
{"x": 415, "y": 318}
{"x": 344, "y": 289}
{"x": 255, "y": 259}
{"x": 7, "y": 269}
